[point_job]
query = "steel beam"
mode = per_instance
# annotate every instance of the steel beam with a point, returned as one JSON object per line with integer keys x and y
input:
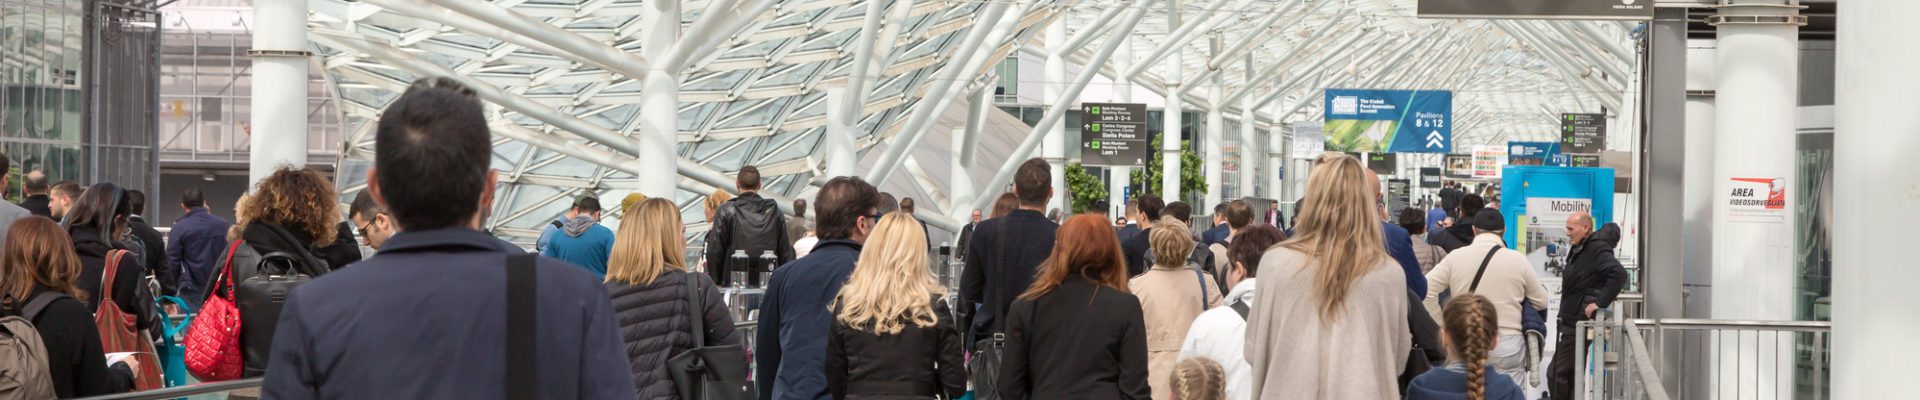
{"x": 701, "y": 42}
{"x": 1181, "y": 36}
{"x": 1287, "y": 60}
{"x": 944, "y": 81}
{"x": 1087, "y": 34}
{"x": 585, "y": 49}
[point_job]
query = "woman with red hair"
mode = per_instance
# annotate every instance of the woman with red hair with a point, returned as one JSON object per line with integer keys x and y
{"x": 1077, "y": 332}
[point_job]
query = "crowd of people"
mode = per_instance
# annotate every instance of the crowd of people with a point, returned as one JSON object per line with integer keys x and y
{"x": 1352, "y": 302}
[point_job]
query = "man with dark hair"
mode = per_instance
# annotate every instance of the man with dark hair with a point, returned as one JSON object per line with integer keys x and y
{"x": 797, "y": 224}
{"x": 1200, "y": 256}
{"x": 1136, "y": 247}
{"x": 1450, "y": 196}
{"x": 153, "y": 246}
{"x": 888, "y": 204}
{"x": 1219, "y": 232}
{"x": 1134, "y": 222}
{"x": 194, "y": 246}
{"x": 441, "y": 302}
{"x": 906, "y": 206}
{"x": 1236, "y": 216}
{"x": 583, "y": 242}
{"x": 1460, "y": 234}
{"x": 8, "y": 212}
{"x": 36, "y": 187}
{"x": 370, "y": 220}
{"x": 790, "y": 346}
{"x": 62, "y": 196}
{"x": 749, "y": 224}
{"x": 1006, "y": 251}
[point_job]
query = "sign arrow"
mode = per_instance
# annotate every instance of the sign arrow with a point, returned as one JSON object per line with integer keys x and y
{"x": 1433, "y": 140}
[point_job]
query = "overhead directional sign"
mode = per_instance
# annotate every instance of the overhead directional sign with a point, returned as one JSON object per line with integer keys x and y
{"x": 1389, "y": 121}
{"x": 1538, "y": 9}
{"x": 1114, "y": 134}
{"x": 1583, "y": 133}
{"x": 1531, "y": 153}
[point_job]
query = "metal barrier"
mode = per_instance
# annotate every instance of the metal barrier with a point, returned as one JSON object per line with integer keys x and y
{"x": 1734, "y": 359}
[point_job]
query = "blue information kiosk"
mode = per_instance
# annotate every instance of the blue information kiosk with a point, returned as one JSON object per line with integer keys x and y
{"x": 1537, "y": 200}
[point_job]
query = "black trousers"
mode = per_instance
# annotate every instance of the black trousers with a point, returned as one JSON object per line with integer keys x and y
{"x": 1560, "y": 372}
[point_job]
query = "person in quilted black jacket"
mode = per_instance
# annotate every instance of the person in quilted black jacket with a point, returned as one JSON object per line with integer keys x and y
{"x": 647, "y": 278}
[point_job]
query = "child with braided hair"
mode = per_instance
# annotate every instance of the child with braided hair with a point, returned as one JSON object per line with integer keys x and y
{"x": 1199, "y": 378}
{"x": 1470, "y": 330}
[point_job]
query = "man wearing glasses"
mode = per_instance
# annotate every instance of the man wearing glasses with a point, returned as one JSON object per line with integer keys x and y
{"x": 796, "y": 314}
{"x": 370, "y": 221}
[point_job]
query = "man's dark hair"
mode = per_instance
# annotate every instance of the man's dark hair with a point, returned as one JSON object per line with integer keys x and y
{"x": 193, "y": 198}
{"x": 138, "y": 201}
{"x": 431, "y": 154}
{"x": 1248, "y": 245}
{"x": 1239, "y": 214}
{"x": 363, "y": 205}
{"x": 1180, "y": 210}
{"x": 1151, "y": 206}
{"x": 1471, "y": 204}
{"x": 1032, "y": 182}
{"x": 747, "y": 179}
{"x": 6, "y": 165}
{"x": 888, "y": 204}
{"x": 906, "y": 205}
{"x": 587, "y": 204}
{"x": 839, "y": 206}
{"x": 799, "y": 207}
{"x": 69, "y": 189}
{"x": 35, "y": 184}
{"x": 1220, "y": 209}
{"x": 1412, "y": 219}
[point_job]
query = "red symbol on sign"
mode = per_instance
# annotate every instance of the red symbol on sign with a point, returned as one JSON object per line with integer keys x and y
{"x": 1776, "y": 191}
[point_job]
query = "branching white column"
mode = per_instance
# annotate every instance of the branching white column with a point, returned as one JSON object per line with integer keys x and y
{"x": 840, "y": 159}
{"x": 1756, "y": 120}
{"x": 1118, "y": 177}
{"x": 278, "y": 126}
{"x": 1170, "y": 135}
{"x": 659, "y": 133}
{"x": 1054, "y": 149}
{"x": 1248, "y": 155}
{"x": 1216, "y": 156}
{"x": 1878, "y": 199}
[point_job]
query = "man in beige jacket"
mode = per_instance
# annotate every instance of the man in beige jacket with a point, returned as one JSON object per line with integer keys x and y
{"x": 1508, "y": 281}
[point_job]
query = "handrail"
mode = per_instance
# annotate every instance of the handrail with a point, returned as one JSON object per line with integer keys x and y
{"x": 1655, "y": 388}
{"x": 1787, "y": 326}
{"x": 183, "y": 391}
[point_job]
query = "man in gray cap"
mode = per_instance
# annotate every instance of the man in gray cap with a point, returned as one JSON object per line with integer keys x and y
{"x": 1504, "y": 276}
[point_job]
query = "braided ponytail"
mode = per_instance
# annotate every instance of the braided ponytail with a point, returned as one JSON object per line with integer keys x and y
{"x": 1199, "y": 378}
{"x": 1471, "y": 325}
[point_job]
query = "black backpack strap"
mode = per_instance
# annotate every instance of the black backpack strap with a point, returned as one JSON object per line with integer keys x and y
{"x": 1241, "y": 308}
{"x": 1483, "y": 270}
{"x": 1202, "y": 279}
{"x": 520, "y": 326}
{"x": 696, "y": 300}
{"x": 39, "y": 303}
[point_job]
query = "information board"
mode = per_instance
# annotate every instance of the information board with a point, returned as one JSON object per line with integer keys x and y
{"x": 1530, "y": 153}
{"x": 1383, "y": 121}
{"x": 1459, "y": 166}
{"x": 1487, "y": 160}
{"x": 1429, "y": 178}
{"x": 1309, "y": 140}
{"x": 1537, "y": 9}
{"x": 1583, "y": 133}
{"x": 1114, "y": 134}
{"x": 1379, "y": 163}
{"x": 1399, "y": 192}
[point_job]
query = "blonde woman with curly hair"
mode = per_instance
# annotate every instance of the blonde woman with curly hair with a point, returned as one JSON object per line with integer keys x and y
{"x": 893, "y": 336}
{"x": 648, "y": 280}
{"x": 1172, "y": 294}
{"x": 1329, "y": 319}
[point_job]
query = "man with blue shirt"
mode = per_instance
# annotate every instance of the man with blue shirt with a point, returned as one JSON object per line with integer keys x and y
{"x": 582, "y": 241}
{"x": 790, "y": 348}
{"x": 428, "y": 316}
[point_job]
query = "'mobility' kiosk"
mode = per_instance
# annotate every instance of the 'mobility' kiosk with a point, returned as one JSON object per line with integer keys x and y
{"x": 1537, "y": 201}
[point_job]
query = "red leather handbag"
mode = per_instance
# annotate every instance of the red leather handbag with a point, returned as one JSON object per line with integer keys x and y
{"x": 213, "y": 342}
{"x": 117, "y": 328}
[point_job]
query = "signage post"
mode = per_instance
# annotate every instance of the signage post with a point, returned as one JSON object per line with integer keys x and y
{"x": 1114, "y": 134}
{"x": 1583, "y": 133}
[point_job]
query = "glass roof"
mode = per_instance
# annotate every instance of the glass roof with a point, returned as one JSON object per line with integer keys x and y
{"x": 758, "y": 98}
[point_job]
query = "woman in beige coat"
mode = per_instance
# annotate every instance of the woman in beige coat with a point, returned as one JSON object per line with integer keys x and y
{"x": 1329, "y": 319}
{"x": 1171, "y": 295}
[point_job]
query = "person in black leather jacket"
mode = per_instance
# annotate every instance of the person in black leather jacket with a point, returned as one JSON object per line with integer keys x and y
{"x": 892, "y": 335}
{"x": 751, "y": 223}
{"x": 1593, "y": 279}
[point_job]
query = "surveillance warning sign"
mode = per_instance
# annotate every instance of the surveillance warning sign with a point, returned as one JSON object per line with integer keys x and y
{"x": 1761, "y": 200}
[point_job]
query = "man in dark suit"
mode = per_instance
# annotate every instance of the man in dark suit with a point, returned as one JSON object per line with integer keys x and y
{"x": 37, "y": 200}
{"x": 1134, "y": 219}
{"x": 155, "y": 245}
{"x": 1217, "y": 234}
{"x": 1006, "y": 251}
{"x": 1135, "y": 248}
{"x": 966, "y": 236}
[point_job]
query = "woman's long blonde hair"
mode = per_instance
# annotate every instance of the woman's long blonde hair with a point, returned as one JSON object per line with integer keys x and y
{"x": 890, "y": 285}
{"x": 1337, "y": 229}
{"x": 648, "y": 244}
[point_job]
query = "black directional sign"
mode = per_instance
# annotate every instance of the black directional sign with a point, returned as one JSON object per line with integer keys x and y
{"x": 1583, "y": 133}
{"x": 1114, "y": 134}
{"x": 1640, "y": 10}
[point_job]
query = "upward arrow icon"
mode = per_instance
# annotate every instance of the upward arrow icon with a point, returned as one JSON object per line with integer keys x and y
{"x": 1436, "y": 140}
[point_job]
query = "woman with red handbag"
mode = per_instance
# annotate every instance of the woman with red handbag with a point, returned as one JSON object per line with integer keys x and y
{"x": 37, "y": 281}
{"x": 112, "y": 278}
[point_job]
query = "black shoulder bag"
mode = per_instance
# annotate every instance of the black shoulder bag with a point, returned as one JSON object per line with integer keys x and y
{"x": 708, "y": 372}
{"x": 984, "y": 366}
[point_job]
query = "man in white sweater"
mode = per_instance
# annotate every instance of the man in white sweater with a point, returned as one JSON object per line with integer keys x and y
{"x": 1508, "y": 281}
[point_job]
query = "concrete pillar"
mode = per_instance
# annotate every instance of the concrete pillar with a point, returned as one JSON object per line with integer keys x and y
{"x": 1118, "y": 177}
{"x": 837, "y": 145}
{"x": 1216, "y": 154}
{"x": 278, "y": 124}
{"x": 1054, "y": 148}
{"x": 1670, "y": 156}
{"x": 1756, "y": 120}
{"x": 1877, "y": 199}
{"x": 659, "y": 133}
{"x": 1249, "y": 153}
{"x": 1170, "y": 136}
